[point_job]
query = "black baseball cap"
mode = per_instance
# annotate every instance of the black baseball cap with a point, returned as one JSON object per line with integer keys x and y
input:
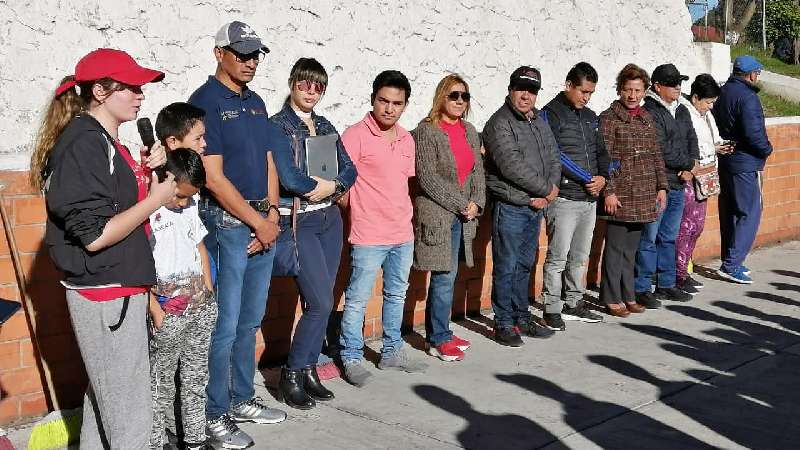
{"x": 668, "y": 75}
{"x": 525, "y": 78}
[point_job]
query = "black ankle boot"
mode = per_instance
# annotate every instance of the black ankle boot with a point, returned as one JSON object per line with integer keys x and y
{"x": 291, "y": 390}
{"x": 313, "y": 386}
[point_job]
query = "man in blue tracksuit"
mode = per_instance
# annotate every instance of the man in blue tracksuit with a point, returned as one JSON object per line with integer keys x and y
{"x": 740, "y": 118}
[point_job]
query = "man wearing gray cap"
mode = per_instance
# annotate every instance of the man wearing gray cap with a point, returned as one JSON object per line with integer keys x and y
{"x": 239, "y": 210}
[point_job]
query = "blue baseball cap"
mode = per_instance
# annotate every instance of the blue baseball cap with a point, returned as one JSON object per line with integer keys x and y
{"x": 746, "y": 64}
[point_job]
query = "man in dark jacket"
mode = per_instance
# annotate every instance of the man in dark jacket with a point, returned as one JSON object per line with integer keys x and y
{"x": 678, "y": 141}
{"x": 571, "y": 216}
{"x": 523, "y": 171}
{"x": 740, "y": 118}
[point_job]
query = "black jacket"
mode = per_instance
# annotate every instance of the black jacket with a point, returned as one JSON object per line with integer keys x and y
{"x": 521, "y": 156}
{"x": 87, "y": 183}
{"x": 578, "y": 137}
{"x": 677, "y": 138}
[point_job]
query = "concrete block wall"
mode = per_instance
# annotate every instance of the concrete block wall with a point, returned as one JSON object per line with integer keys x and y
{"x": 20, "y": 378}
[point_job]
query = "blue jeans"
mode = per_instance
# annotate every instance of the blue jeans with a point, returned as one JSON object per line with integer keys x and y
{"x": 515, "y": 239}
{"x": 440, "y": 294}
{"x": 739, "y": 216}
{"x": 366, "y": 260}
{"x": 656, "y": 254}
{"x": 319, "y": 248}
{"x": 241, "y": 285}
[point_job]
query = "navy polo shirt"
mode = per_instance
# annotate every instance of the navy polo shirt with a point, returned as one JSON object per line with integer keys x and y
{"x": 237, "y": 128}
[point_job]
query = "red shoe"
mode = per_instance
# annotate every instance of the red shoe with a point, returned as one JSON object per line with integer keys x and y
{"x": 447, "y": 351}
{"x": 462, "y": 344}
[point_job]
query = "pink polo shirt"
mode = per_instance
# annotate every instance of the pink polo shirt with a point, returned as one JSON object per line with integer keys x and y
{"x": 380, "y": 206}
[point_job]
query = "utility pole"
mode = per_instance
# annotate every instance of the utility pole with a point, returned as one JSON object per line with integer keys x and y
{"x": 764, "y": 24}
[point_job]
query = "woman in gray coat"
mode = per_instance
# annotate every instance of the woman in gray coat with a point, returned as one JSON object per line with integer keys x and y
{"x": 451, "y": 196}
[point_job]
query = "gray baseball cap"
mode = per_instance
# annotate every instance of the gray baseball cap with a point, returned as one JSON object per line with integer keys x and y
{"x": 240, "y": 37}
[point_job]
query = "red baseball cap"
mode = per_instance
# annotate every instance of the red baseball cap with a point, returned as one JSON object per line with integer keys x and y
{"x": 114, "y": 64}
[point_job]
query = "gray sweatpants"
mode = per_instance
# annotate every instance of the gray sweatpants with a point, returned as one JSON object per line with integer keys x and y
{"x": 183, "y": 339}
{"x": 570, "y": 226}
{"x": 117, "y": 410}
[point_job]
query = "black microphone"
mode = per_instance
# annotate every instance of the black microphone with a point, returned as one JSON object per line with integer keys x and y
{"x": 148, "y": 139}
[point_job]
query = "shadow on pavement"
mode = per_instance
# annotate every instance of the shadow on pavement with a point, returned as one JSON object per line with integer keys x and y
{"x": 583, "y": 413}
{"x": 773, "y": 298}
{"x": 787, "y": 273}
{"x": 486, "y": 430}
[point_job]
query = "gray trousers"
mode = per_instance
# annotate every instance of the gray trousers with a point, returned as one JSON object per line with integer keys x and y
{"x": 570, "y": 225}
{"x": 183, "y": 339}
{"x": 117, "y": 410}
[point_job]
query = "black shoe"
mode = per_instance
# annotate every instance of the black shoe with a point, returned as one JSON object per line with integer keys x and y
{"x": 694, "y": 283}
{"x": 523, "y": 328}
{"x": 687, "y": 287}
{"x": 538, "y": 330}
{"x": 291, "y": 390}
{"x": 673, "y": 294}
{"x": 580, "y": 313}
{"x": 554, "y": 322}
{"x": 508, "y": 336}
{"x": 648, "y": 300}
{"x": 314, "y": 387}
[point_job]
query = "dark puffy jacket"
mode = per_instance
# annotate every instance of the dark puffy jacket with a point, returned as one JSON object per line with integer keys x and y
{"x": 740, "y": 117}
{"x": 89, "y": 182}
{"x": 577, "y": 134}
{"x": 521, "y": 156}
{"x": 677, "y": 138}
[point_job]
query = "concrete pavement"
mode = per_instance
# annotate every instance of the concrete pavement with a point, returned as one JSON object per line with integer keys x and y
{"x": 719, "y": 371}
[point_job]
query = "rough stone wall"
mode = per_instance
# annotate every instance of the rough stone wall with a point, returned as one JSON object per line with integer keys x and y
{"x": 41, "y": 40}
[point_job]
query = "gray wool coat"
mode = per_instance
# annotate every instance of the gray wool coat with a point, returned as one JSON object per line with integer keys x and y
{"x": 441, "y": 197}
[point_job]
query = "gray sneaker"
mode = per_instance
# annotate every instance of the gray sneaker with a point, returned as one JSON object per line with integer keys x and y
{"x": 224, "y": 432}
{"x": 401, "y": 361}
{"x": 355, "y": 373}
{"x": 254, "y": 410}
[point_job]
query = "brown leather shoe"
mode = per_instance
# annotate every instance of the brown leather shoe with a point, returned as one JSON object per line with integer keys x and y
{"x": 617, "y": 309}
{"x": 634, "y": 307}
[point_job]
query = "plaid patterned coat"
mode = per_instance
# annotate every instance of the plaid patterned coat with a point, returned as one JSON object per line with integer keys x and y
{"x": 632, "y": 142}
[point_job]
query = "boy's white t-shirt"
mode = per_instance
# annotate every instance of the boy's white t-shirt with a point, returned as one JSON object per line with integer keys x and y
{"x": 179, "y": 272}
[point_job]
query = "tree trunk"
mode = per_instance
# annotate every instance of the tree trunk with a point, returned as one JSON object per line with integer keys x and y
{"x": 747, "y": 15}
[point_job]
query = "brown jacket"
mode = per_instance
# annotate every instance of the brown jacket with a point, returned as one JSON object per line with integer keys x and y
{"x": 632, "y": 142}
{"x": 441, "y": 198}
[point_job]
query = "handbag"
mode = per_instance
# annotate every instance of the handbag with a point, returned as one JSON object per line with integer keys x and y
{"x": 707, "y": 184}
{"x": 287, "y": 262}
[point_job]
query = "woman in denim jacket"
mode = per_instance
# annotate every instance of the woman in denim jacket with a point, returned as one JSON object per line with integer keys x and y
{"x": 318, "y": 231}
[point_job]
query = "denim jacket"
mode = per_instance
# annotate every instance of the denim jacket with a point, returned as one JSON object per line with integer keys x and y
{"x": 294, "y": 181}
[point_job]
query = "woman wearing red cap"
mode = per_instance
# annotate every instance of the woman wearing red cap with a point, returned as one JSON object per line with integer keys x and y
{"x": 98, "y": 205}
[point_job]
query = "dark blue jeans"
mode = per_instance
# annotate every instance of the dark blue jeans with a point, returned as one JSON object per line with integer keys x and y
{"x": 739, "y": 216}
{"x": 515, "y": 238}
{"x": 319, "y": 248}
{"x": 241, "y": 286}
{"x": 656, "y": 254}
{"x": 440, "y": 294}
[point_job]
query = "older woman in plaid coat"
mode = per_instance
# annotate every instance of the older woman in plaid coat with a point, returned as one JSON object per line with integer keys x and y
{"x": 635, "y": 191}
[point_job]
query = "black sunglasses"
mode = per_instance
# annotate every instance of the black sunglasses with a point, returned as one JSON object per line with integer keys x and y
{"x": 455, "y": 94}
{"x": 257, "y": 56}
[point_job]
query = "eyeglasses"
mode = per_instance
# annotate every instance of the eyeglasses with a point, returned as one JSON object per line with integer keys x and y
{"x": 307, "y": 85}
{"x": 455, "y": 94}
{"x": 257, "y": 56}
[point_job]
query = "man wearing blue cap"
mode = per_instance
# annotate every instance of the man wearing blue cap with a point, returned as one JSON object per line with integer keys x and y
{"x": 740, "y": 118}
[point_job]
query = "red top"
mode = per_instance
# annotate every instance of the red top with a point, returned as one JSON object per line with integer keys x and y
{"x": 111, "y": 293}
{"x": 635, "y": 111}
{"x": 462, "y": 152}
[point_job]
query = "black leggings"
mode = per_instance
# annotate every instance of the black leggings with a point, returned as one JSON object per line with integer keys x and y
{"x": 619, "y": 260}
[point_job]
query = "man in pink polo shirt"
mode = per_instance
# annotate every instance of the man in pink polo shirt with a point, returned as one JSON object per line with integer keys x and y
{"x": 381, "y": 233}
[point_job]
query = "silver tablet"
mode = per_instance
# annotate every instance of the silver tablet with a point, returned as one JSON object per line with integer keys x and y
{"x": 321, "y": 156}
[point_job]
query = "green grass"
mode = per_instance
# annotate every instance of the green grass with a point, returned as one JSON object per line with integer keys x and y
{"x": 765, "y": 57}
{"x": 775, "y": 106}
